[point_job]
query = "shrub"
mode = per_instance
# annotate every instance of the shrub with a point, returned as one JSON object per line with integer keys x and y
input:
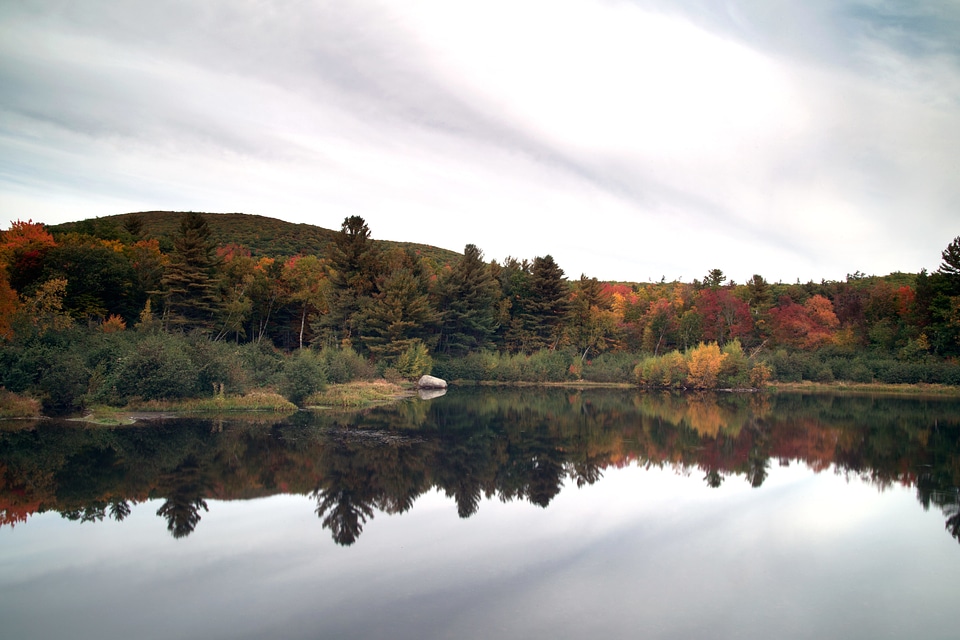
{"x": 158, "y": 368}
{"x": 704, "y": 365}
{"x": 414, "y": 361}
{"x": 64, "y": 385}
{"x": 219, "y": 365}
{"x": 261, "y": 362}
{"x": 345, "y": 365}
{"x": 304, "y": 373}
{"x": 546, "y": 366}
{"x": 610, "y": 367}
{"x": 735, "y": 367}
{"x": 760, "y": 375}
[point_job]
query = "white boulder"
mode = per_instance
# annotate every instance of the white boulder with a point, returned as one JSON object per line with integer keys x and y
{"x": 429, "y": 382}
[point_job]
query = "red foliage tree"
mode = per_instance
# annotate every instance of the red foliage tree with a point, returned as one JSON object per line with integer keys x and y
{"x": 806, "y": 326}
{"x": 725, "y": 317}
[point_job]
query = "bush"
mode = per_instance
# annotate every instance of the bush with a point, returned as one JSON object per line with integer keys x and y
{"x": 734, "y": 368}
{"x": 159, "y": 368}
{"x": 414, "y": 361}
{"x": 345, "y": 365}
{"x": 64, "y": 385}
{"x": 262, "y": 363}
{"x": 304, "y": 373}
{"x": 219, "y": 366}
{"x": 545, "y": 366}
{"x": 610, "y": 367}
{"x": 760, "y": 375}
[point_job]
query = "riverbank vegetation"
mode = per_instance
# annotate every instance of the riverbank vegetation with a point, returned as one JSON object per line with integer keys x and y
{"x": 165, "y": 307}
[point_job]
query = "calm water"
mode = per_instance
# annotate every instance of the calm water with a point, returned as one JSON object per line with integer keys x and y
{"x": 492, "y": 514}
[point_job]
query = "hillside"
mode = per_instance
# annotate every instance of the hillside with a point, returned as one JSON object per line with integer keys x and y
{"x": 263, "y": 236}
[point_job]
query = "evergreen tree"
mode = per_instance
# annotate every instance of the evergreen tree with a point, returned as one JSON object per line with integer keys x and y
{"x": 547, "y": 304}
{"x": 400, "y": 313}
{"x": 352, "y": 270}
{"x": 515, "y": 318}
{"x": 189, "y": 282}
{"x": 468, "y": 304}
{"x": 950, "y": 267}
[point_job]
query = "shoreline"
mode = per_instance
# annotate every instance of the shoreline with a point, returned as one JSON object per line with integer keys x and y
{"x": 363, "y": 395}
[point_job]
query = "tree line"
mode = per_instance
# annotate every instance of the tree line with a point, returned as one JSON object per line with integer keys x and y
{"x": 404, "y": 312}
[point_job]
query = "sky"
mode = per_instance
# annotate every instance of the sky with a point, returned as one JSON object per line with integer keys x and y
{"x": 630, "y": 139}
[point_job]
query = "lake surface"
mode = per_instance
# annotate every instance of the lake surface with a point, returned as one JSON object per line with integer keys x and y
{"x": 491, "y": 513}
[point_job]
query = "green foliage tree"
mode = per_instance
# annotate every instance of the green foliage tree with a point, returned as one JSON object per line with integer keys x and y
{"x": 191, "y": 299}
{"x": 950, "y": 266}
{"x": 468, "y": 296}
{"x": 100, "y": 280}
{"x": 400, "y": 313}
{"x": 543, "y": 308}
{"x": 353, "y": 269}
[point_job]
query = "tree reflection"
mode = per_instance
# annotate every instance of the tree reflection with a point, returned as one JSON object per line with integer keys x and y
{"x": 184, "y": 488}
{"x": 509, "y": 444}
{"x": 119, "y": 510}
{"x": 713, "y": 479}
{"x": 343, "y": 514}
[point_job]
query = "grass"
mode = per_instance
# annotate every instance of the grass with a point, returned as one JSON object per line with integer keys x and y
{"x": 253, "y": 401}
{"x": 13, "y": 405}
{"x": 358, "y": 395}
{"x": 868, "y": 388}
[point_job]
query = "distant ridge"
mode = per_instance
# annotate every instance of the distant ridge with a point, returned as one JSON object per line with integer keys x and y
{"x": 261, "y": 235}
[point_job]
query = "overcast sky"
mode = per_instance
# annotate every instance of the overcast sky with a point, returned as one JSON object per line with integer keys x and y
{"x": 630, "y": 139}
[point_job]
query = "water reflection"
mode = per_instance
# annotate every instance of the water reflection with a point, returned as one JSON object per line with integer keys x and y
{"x": 509, "y": 444}
{"x": 184, "y": 488}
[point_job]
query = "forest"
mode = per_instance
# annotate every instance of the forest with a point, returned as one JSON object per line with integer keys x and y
{"x": 180, "y": 305}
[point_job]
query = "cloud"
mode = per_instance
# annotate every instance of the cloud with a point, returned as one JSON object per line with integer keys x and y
{"x": 631, "y": 140}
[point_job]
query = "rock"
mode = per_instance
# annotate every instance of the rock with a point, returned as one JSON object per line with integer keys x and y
{"x": 429, "y": 382}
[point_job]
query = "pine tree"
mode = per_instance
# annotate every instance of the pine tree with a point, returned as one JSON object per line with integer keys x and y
{"x": 547, "y": 305}
{"x": 468, "y": 304}
{"x": 398, "y": 315}
{"x": 352, "y": 270}
{"x": 189, "y": 284}
{"x": 950, "y": 267}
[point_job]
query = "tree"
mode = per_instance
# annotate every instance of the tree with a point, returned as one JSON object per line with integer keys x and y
{"x": 659, "y": 322}
{"x": 23, "y": 248}
{"x": 807, "y": 326}
{"x": 190, "y": 288}
{"x": 514, "y": 278}
{"x": 725, "y": 317}
{"x": 951, "y": 259}
{"x": 8, "y": 307}
{"x": 950, "y": 267}
{"x": 548, "y": 303}
{"x": 400, "y": 314}
{"x": 714, "y": 279}
{"x": 704, "y": 365}
{"x": 591, "y": 324}
{"x": 468, "y": 296}
{"x": 352, "y": 270}
{"x": 306, "y": 286}
{"x": 100, "y": 280}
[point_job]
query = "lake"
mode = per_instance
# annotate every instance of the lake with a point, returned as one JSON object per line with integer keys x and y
{"x": 492, "y": 513}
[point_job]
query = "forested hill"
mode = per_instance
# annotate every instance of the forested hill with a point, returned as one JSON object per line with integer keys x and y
{"x": 261, "y": 235}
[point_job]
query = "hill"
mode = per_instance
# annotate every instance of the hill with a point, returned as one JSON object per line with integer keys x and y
{"x": 261, "y": 235}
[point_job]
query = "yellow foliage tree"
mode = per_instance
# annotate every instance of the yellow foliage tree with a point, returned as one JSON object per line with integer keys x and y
{"x": 704, "y": 362}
